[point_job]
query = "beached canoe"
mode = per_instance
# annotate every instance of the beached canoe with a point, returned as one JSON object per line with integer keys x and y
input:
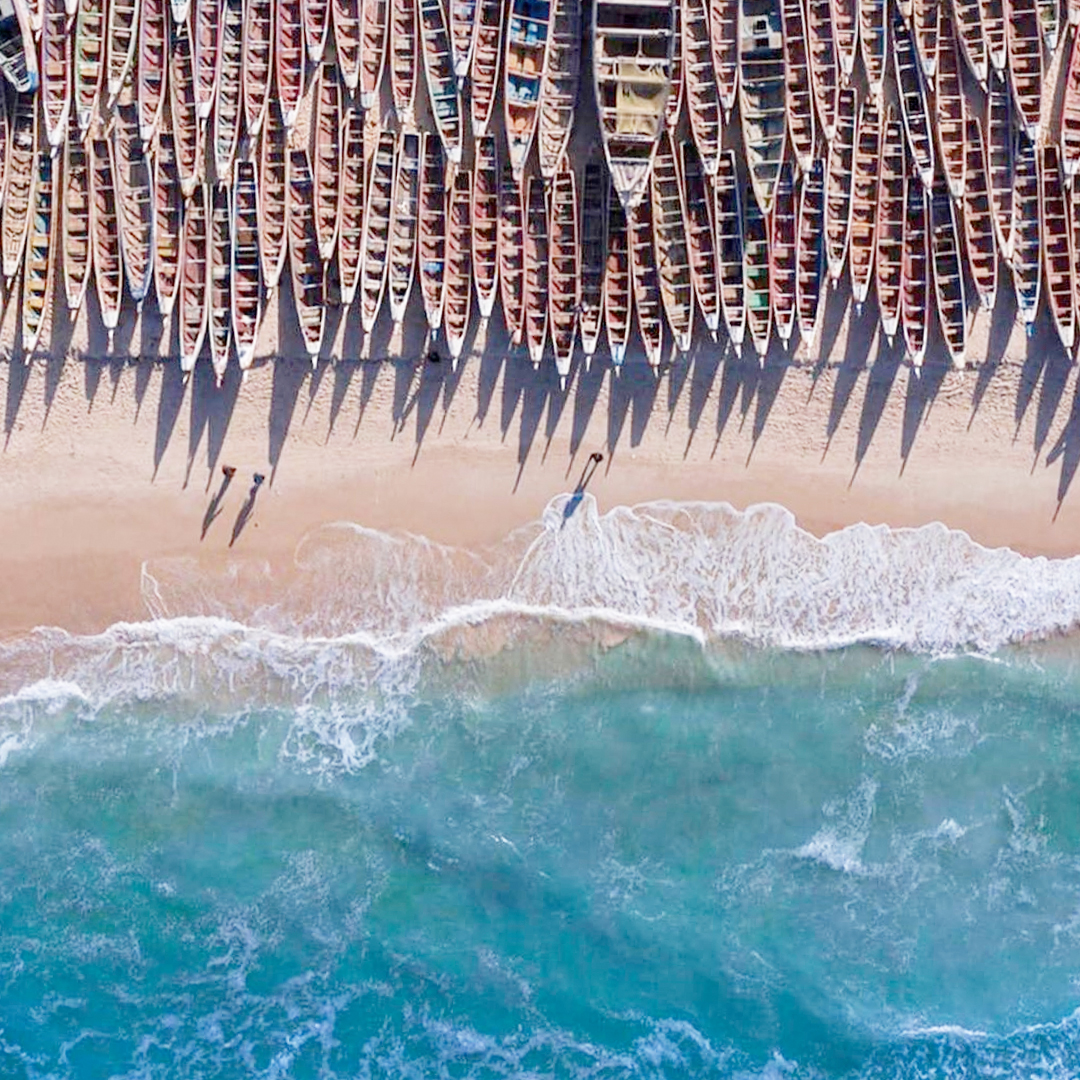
{"x": 194, "y": 294}
{"x": 485, "y": 224}
{"x": 351, "y": 205}
{"x": 824, "y": 70}
{"x": 77, "y": 251}
{"x": 1070, "y": 114}
{"x": 462, "y": 35}
{"x": 536, "y": 265}
{"x": 315, "y": 15}
{"x": 1026, "y": 257}
{"x": 800, "y": 95}
{"x": 18, "y": 183}
{"x": 915, "y": 274}
{"x": 969, "y": 31}
{"x": 889, "y": 228}
{"x": 135, "y": 198}
{"x": 756, "y": 276}
{"x": 486, "y": 64}
{"x": 978, "y": 215}
{"x": 345, "y": 16}
{"x": 442, "y": 86}
{"x": 273, "y": 198}
{"x": 18, "y": 60}
{"x": 288, "y": 52}
{"x": 122, "y": 35}
{"x": 564, "y": 270}
{"x": 402, "y": 59}
{"x": 728, "y": 218}
{"x": 246, "y": 291}
{"x": 618, "y": 286}
{"x": 105, "y": 234}
{"x": 839, "y": 177}
{"x": 150, "y": 66}
{"x": 874, "y": 42}
{"x": 1023, "y": 36}
{"x": 229, "y": 108}
{"x": 924, "y": 32}
{"x": 219, "y": 277}
{"x": 673, "y": 107}
{"x": 724, "y": 37}
{"x": 948, "y": 271}
{"x": 762, "y": 94}
{"x": 89, "y": 61}
{"x": 783, "y": 255}
{"x": 633, "y": 45}
{"x": 950, "y": 111}
{"x": 593, "y": 256}
{"x": 701, "y": 237}
{"x": 38, "y": 271}
{"x": 1058, "y": 261}
{"x": 913, "y": 105}
{"x": 511, "y": 254}
{"x": 845, "y": 15}
{"x": 168, "y": 219}
{"x": 306, "y": 269}
{"x": 206, "y": 36}
{"x": 374, "y": 17}
{"x": 992, "y": 21}
{"x": 670, "y": 246}
{"x": 527, "y": 38}
{"x": 864, "y": 191}
{"x": 376, "y": 242}
{"x": 810, "y": 253}
{"x": 431, "y": 235}
{"x": 404, "y": 225}
{"x": 702, "y": 99}
{"x": 327, "y": 162}
{"x": 1001, "y": 160}
{"x": 183, "y": 117}
{"x": 1050, "y": 23}
{"x": 55, "y": 72}
{"x": 559, "y": 86}
{"x": 648, "y": 301}
{"x": 257, "y": 62}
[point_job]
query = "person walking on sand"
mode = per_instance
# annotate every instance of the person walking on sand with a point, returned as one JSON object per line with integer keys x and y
{"x": 579, "y": 492}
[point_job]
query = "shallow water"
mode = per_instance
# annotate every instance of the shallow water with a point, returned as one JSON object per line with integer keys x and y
{"x": 528, "y": 842}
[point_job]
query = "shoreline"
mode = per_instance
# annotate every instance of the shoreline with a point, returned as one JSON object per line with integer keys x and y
{"x": 109, "y": 465}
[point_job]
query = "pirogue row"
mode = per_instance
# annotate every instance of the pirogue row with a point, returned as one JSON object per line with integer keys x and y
{"x": 753, "y": 152}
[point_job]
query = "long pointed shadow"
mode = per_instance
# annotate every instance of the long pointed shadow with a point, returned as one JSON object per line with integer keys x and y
{"x": 517, "y": 375}
{"x": 214, "y": 507}
{"x": 404, "y": 374}
{"x": 1002, "y": 321}
{"x": 879, "y": 386}
{"x": 343, "y": 375}
{"x": 211, "y": 411}
{"x": 289, "y": 377}
{"x": 61, "y": 331}
{"x": 534, "y": 399}
{"x": 18, "y": 377}
{"x": 770, "y": 378}
{"x": 922, "y": 388}
{"x": 678, "y": 374}
{"x": 491, "y": 363}
{"x": 151, "y": 330}
{"x": 619, "y": 395}
{"x": 730, "y": 384}
{"x": 834, "y": 308}
{"x": 426, "y": 399}
{"x": 643, "y": 393}
{"x": 1056, "y": 371}
{"x": 558, "y": 399}
{"x": 246, "y": 510}
{"x": 586, "y": 393}
{"x": 706, "y": 364}
{"x": 861, "y": 328}
{"x": 367, "y": 388}
{"x": 1030, "y": 373}
{"x": 170, "y": 401}
{"x": 1067, "y": 448}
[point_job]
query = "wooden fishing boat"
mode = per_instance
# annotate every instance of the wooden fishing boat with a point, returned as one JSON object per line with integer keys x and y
{"x": 38, "y": 272}
{"x": 535, "y": 292}
{"x": 487, "y": 57}
{"x": 346, "y": 16}
{"x": 915, "y": 273}
{"x": 729, "y": 247}
{"x": 671, "y": 250}
{"x": 485, "y": 224}
{"x": 762, "y": 94}
{"x": 462, "y": 35}
{"x": 632, "y": 60}
{"x": 702, "y": 99}
{"x": 950, "y": 114}
{"x": 76, "y": 249}
{"x": 913, "y": 107}
{"x": 1000, "y": 161}
{"x": 439, "y": 74}
{"x": 1073, "y": 12}
{"x": 288, "y": 52}
{"x": 756, "y": 276}
{"x": 273, "y": 198}
{"x": 981, "y": 247}
{"x": 18, "y": 61}
{"x": 1026, "y": 257}
{"x": 800, "y": 95}
{"x": 839, "y": 178}
{"x": 645, "y": 280}
{"x": 845, "y": 15}
{"x": 1050, "y": 23}
{"x": 327, "y": 164}
{"x": 206, "y": 34}
{"x": 219, "y": 252}
{"x": 135, "y": 198}
{"x": 1073, "y": 195}
{"x": 168, "y": 219}
{"x": 889, "y": 253}
{"x": 351, "y": 205}
{"x": 1058, "y": 261}
{"x": 150, "y": 68}
{"x": 256, "y": 63}
{"x": 864, "y": 190}
{"x": 244, "y": 270}
{"x": 179, "y": 9}
{"x": 526, "y": 59}
{"x": 1026, "y": 64}
{"x": 559, "y": 86}
{"x": 673, "y": 107}
{"x": 403, "y": 48}
{"x": 120, "y": 41}
{"x": 593, "y": 254}
{"x": 1070, "y": 114}
{"x": 992, "y": 22}
{"x": 305, "y": 267}
{"x": 972, "y": 43}
{"x": 824, "y": 71}
{"x": 431, "y": 234}
{"x": 924, "y": 31}
{"x": 511, "y": 254}
{"x": 18, "y": 183}
{"x": 724, "y": 35}
{"x": 948, "y": 271}
{"x": 810, "y": 252}
{"x": 229, "y": 109}
{"x": 618, "y": 288}
{"x": 186, "y": 128}
{"x": 373, "y": 22}
{"x": 783, "y": 255}
{"x": 874, "y": 42}
{"x": 564, "y": 271}
{"x": 89, "y": 61}
{"x": 194, "y": 293}
{"x": 376, "y": 241}
{"x": 55, "y": 72}
{"x": 105, "y": 234}
{"x": 700, "y": 237}
{"x": 404, "y": 225}
{"x": 315, "y": 15}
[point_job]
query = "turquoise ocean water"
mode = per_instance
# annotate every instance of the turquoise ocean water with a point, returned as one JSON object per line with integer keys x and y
{"x": 673, "y": 791}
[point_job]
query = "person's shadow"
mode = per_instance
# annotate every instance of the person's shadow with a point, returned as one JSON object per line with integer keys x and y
{"x": 214, "y": 508}
{"x": 579, "y": 492}
{"x": 247, "y": 509}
